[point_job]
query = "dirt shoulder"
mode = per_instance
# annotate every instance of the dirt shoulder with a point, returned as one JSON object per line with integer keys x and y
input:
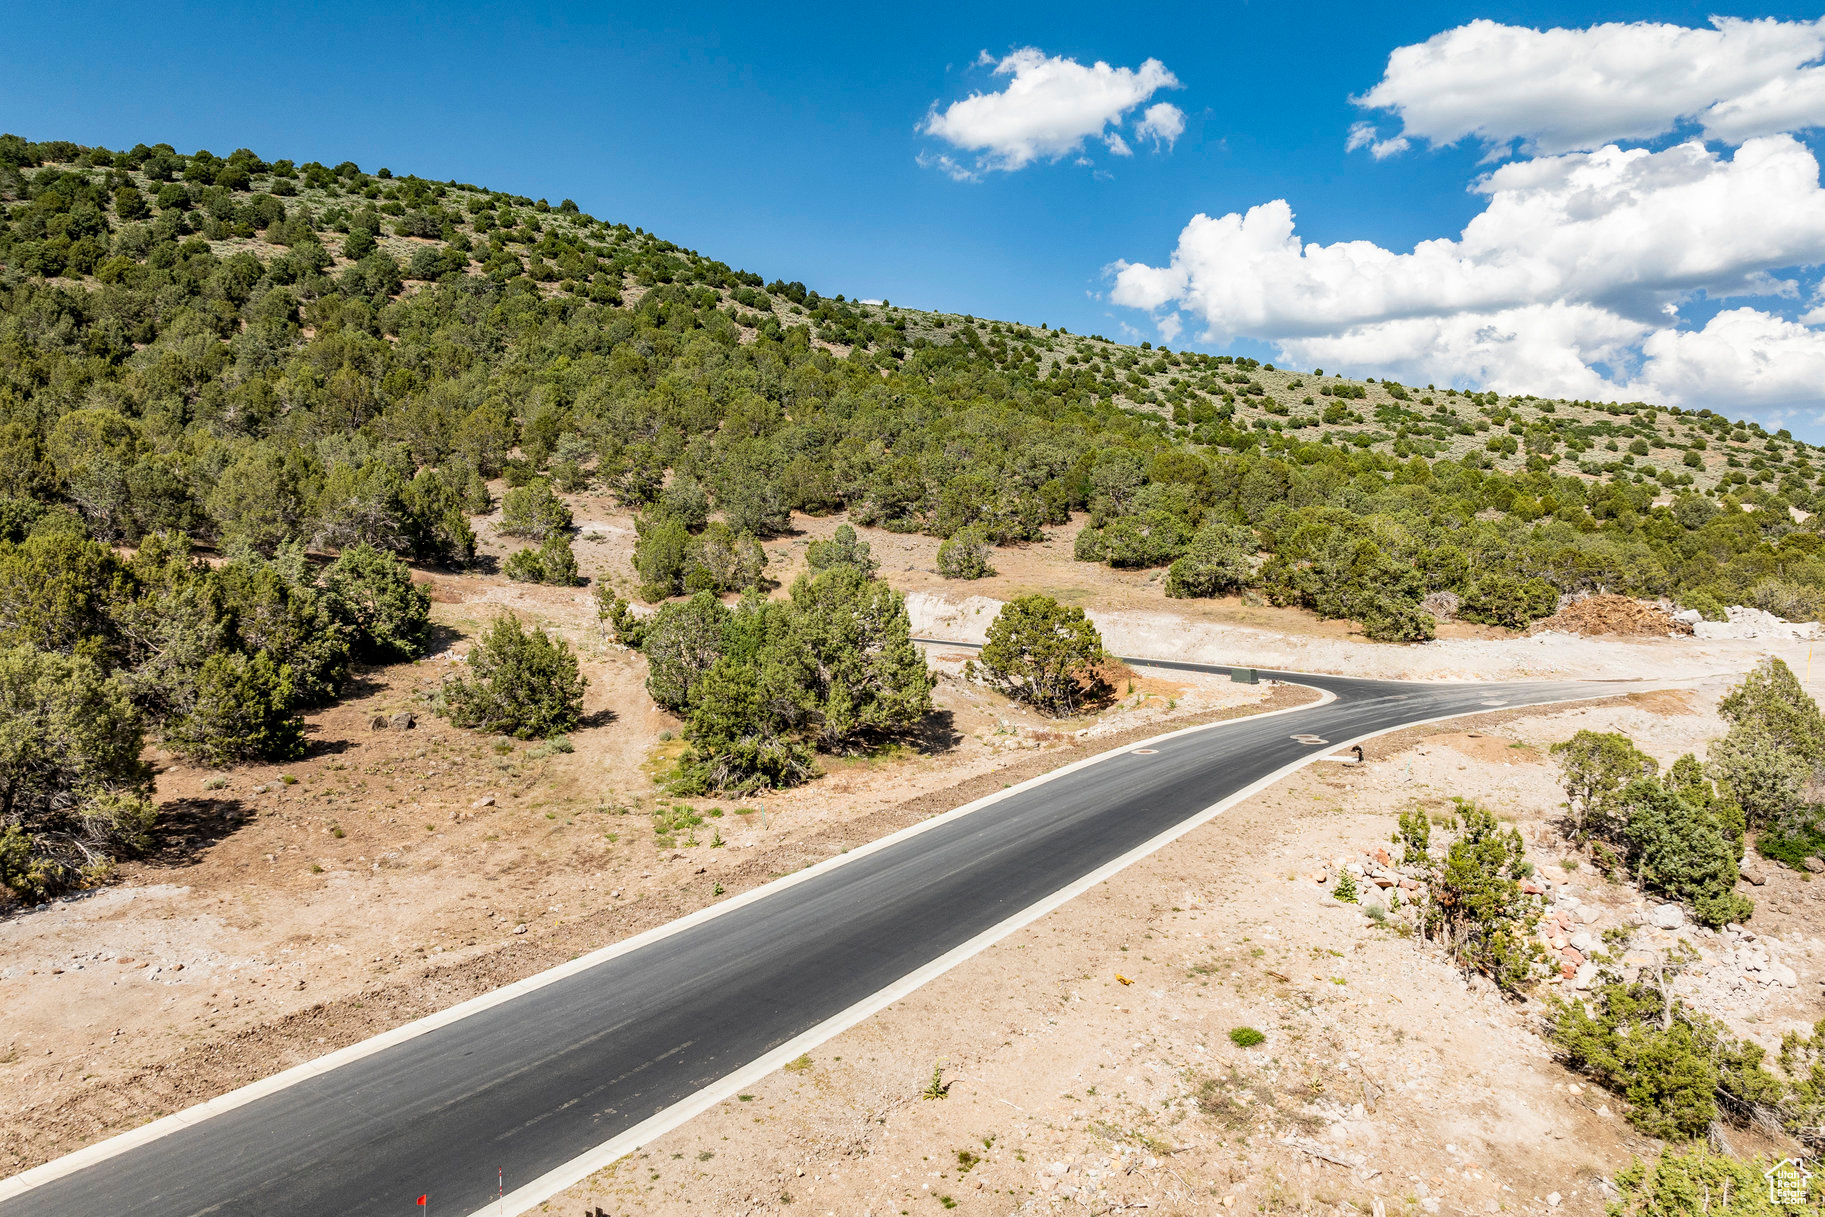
{"x": 303, "y": 917}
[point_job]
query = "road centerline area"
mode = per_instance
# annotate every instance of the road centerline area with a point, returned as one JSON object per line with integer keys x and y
{"x": 558, "y": 1074}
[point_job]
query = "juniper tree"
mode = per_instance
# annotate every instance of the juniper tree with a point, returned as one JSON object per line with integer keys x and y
{"x": 520, "y": 682}
{"x": 1043, "y": 653}
{"x": 74, "y": 793}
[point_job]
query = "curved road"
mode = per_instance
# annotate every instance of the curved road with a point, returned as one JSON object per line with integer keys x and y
{"x": 533, "y": 1084}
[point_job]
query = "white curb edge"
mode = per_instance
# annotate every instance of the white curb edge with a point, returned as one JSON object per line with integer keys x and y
{"x": 101, "y": 1151}
{"x": 580, "y": 1168}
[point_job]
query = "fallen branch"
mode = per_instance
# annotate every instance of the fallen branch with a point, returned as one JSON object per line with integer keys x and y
{"x": 1321, "y": 1155}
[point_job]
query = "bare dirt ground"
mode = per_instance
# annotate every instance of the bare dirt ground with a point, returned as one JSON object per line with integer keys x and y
{"x": 391, "y": 873}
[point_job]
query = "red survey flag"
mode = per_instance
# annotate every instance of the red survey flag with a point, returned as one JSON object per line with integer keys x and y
{"x": 422, "y": 1199}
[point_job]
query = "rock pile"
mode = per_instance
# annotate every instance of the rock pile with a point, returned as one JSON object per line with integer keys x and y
{"x": 1737, "y": 970}
{"x": 1376, "y": 870}
{"x": 1442, "y": 605}
{"x": 1569, "y": 931}
{"x": 1617, "y": 615}
{"x": 1742, "y": 622}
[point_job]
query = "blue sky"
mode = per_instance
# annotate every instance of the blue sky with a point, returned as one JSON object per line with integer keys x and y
{"x": 784, "y": 139}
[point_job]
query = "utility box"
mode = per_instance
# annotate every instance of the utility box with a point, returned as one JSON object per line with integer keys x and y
{"x": 1242, "y": 676}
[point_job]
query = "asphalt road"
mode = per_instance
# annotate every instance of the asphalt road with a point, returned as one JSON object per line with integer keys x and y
{"x": 532, "y": 1083}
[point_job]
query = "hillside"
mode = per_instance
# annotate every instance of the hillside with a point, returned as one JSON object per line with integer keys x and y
{"x": 86, "y": 218}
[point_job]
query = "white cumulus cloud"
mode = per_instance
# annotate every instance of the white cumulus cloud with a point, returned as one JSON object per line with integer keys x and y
{"x": 1049, "y": 107}
{"x": 1568, "y": 282}
{"x": 1631, "y": 230}
{"x": 1364, "y": 135}
{"x": 1163, "y": 123}
{"x": 1561, "y": 90}
{"x": 1752, "y": 360}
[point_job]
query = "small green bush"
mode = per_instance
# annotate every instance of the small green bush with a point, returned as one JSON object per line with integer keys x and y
{"x": 1708, "y": 606}
{"x": 1699, "y": 1181}
{"x": 1774, "y": 750}
{"x": 965, "y": 554}
{"x": 1795, "y": 845}
{"x": 76, "y": 788}
{"x": 243, "y": 712}
{"x": 1346, "y": 888}
{"x": 522, "y": 683}
{"x": 1477, "y": 904}
{"x": 1040, "y": 652}
{"x": 534, "y": 511}
{"x": 842, "y": 548}
{"x": 1387, "y": 617}
{"x": 1671, "y": 1063}
{"x": 372, "y": 593}
{"x": 1595, "y": 767}
{"x": 1246, "y": 1037}
{"x": 1507, "y": 601}
{"x": 523, "y": 566}
{"x": 1218, "y": 562}
{"x": 1680, "y": 845}
{"x": 552, "y": 562}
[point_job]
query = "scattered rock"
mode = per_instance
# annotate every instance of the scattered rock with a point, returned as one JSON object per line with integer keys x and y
{"x": 1669, "y": 917}
{"x": 1815, "y": 865}
{"x": 1752, "y": 873}
{"x": 405, "y": 720}
{"x": 520, "y": 928}
{"x": 486, "y": 800}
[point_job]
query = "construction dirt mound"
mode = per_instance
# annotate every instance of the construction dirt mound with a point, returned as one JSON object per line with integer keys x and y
{"x": 1606, "y": 614}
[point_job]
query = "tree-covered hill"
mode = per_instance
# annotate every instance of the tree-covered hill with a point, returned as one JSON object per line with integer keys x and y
{"x": 287, "y": 363}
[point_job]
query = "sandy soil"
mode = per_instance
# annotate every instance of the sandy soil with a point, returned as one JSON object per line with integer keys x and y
{"x": 1088, "y": 1056}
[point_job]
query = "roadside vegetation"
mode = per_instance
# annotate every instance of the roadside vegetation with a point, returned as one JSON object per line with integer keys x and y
{"x": 1614, "y": 1010}
{"x": 1681, "y": 835}
{"x": 765, "y": 685}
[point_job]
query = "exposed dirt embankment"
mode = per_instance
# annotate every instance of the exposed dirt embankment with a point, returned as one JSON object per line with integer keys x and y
{"x": 1492, "y": 655}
